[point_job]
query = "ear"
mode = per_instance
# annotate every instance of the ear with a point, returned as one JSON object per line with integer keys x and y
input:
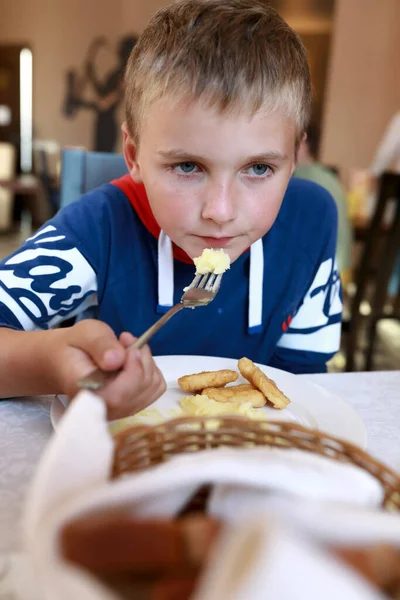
{"x": 130, "y": 155}
{"x": 299, "y": 150}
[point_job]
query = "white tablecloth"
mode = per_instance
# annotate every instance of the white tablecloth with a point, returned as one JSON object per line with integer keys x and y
{"x": 25, "y": 429}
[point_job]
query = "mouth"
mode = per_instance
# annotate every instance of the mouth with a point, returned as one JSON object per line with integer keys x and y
{"x": 216, "y": 242}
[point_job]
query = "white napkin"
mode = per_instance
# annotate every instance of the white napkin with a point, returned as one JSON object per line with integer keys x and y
{"x": 263, "y": 560}
{"x": 78, "y": 458}
{"x": 73, "y": 479}
{"x": 325, "y": 521}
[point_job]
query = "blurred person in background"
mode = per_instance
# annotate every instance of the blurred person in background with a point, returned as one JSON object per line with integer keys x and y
{"x": 387, "y": 158}
{"x": 309, "y": 167}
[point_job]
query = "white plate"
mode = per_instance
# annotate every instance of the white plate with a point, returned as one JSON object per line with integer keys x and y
{"x": 311, "y": 405}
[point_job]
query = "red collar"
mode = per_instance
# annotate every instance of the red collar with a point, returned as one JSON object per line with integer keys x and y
{"x": 137, "y": 196}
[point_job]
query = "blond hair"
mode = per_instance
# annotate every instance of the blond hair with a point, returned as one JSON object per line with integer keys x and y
{"x": 234, "y": 54}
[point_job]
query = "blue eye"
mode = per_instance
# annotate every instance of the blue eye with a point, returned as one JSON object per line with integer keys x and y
{"x": 259, "y": 169}
{"x": 186, "y": 167}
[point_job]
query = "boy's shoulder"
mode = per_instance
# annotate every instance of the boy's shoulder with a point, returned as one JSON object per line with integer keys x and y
{"x": 98, "y": 219}
{"x": 105, "y": 199}
{"x": 98, "y": 212}
{"x": 307, "y": 220}
{"x": 307, "y": 200}
{"x": 307, "y": 209}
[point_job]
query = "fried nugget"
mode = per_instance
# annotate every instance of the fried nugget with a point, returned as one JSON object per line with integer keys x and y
{"x": 236, "y": 393}
{"x": 266, "y": 385}
{"x": 241, "y": 387}
{"x": 199, "y": 381}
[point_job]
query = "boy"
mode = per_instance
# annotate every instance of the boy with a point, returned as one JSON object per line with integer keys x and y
{"x": 217, "y": 101}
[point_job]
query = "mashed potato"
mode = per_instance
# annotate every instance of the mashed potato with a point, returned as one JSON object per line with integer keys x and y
{"x": 202, "y": 406}
{"x": 190, "y": 406}
{"x": 212, "y": 261}
{"x": 148, "y": 416}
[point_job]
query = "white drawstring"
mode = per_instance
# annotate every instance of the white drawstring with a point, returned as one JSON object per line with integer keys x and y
{"x": 256, "y": 287}
{"x": 165, "y": 273}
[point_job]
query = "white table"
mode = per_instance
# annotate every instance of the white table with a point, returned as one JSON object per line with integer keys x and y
{"x": 25, "y": 429}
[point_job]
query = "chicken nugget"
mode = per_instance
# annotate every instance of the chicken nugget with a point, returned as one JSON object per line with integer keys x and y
{"x": 236, "y": 393}
{"x": 240, "y": 387}
{"x": 199, "y": 381}
{"x": 266, "y": 385}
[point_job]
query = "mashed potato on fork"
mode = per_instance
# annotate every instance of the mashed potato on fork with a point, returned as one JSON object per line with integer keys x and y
{"x": 212, "y": 261}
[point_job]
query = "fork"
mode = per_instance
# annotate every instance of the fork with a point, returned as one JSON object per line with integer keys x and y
{"x": 200, "y": 292}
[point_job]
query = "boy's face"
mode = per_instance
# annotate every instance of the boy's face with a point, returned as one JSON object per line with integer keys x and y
{"x": 213, "y": 181}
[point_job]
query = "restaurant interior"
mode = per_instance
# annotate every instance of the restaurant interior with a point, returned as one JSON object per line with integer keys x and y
{"x": 333, "y": 526}
{"x": 55, "y": 94}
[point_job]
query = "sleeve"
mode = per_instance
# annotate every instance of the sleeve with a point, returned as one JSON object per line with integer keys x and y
{"x": 54, "y": 275}
{"x": 388, "y": 148}
{"x": 313, "y": 335}
{"x": 344, "y": 247}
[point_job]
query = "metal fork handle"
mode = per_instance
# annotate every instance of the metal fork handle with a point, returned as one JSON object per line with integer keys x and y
{"x": 99, "y": 378}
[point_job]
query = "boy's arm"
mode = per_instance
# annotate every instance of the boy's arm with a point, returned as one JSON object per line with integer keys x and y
{"x": 313, "y": 335}
{"x": 49, "y": 279}
{"x": 38, "y": 362}
{"x": 49, "y": 362}
{"x": 24, "y": 363}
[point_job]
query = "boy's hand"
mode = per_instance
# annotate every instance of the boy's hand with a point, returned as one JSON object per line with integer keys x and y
{"x": 91, "y": 344}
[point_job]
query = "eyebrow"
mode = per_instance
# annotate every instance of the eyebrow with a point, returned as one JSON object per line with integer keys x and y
{"x": 178, "y": 154}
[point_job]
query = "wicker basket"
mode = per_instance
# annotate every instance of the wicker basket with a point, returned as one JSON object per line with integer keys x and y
{"x": 141, "y": 446}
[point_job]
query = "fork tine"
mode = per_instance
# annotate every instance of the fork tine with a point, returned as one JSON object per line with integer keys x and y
{"x": 210, "y": 282}
{"x": 216, "y": 284}
{"x": 203, "y": 281}
{"x": 194, "y": 282}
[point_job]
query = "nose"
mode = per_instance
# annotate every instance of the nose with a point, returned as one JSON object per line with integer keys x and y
{"x": 220, "y": 204}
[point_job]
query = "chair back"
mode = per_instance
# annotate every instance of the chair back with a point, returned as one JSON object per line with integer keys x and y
{"x": 82, "y": 171}
{"x": 379, "y": 268}
{"x": 46, "y": 161}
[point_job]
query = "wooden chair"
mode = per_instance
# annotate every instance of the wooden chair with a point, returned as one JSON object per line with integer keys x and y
{"x": 378, "y": 271}
{"x": 46, "y": 154}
